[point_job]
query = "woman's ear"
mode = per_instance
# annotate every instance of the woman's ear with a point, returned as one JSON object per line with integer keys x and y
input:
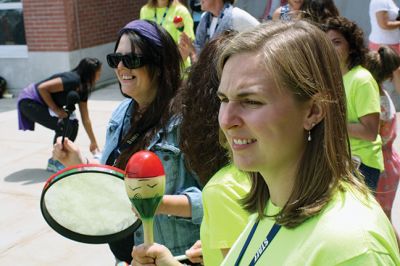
{"x": 315, "y": 113}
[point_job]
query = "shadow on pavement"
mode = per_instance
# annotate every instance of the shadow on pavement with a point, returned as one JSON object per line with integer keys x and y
{"x": 29, "y": 176}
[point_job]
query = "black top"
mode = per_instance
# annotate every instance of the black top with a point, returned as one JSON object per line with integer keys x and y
{"x": 71, "y": 81}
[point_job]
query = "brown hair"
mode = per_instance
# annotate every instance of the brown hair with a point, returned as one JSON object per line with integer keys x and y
{"x": 382, "y": 63}
{"x": 354, "y": 37}
{"x": 200, "y": 105}
{"x": 319, "y": 10}
{"x": 293, "y": 54}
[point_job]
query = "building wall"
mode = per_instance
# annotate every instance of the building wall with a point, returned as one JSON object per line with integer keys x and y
{"x": 60, "y": 33}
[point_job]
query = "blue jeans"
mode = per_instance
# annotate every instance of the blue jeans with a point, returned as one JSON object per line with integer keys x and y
{"x": 371, "y": 176}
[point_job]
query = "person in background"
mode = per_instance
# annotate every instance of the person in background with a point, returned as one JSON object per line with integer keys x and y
{"x": 43, "y": 102}
{"x": 385, "y": 30}
{"x": 224, "y": 184}
{"x": 284, "y": 118}
{"x": 218, "y": 16}
{"x": 260, "y": 9}
{"x": 319, "y": 10}
{"x": 195, "y": 7}
{"x": 163, "y": 12}
{"x": 148, "y": 66}
{"x": 381, "y": 64}
{"x": 362, "y": 94}
{"x": 288, "y": 11}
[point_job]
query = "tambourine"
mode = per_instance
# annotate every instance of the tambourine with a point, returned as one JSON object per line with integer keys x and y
{"x": 88, "y": 203}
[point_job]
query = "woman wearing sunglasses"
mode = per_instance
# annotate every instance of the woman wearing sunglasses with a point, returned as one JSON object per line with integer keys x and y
{"x": 44, "y": 103}
{"x": 148, "y": 67}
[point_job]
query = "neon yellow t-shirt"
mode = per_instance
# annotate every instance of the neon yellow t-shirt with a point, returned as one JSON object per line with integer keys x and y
{"x": 224, "y": 218}
{"x": 362, "y": 95}
{"x": 165, "y": 18}
{"x": 349, "y": 231}
{"x": 176, "y": 9}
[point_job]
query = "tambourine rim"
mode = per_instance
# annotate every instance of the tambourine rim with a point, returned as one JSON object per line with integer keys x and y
{"x": 90, "y": 239}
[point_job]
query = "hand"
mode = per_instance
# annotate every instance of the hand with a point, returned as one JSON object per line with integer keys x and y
{"x": 186, "y": 46}
{"x": 195, "y": 253}
{"x": 154, "y": 254}
{"x": 61, "y": 113}
{"x": 67, "y": 153}
{"x": 94, "y": 148}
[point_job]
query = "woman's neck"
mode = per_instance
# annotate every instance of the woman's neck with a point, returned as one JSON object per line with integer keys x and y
{"x": 217, "y": 8}
{"x": 280, "y": 184}
{"x": 162, "y": 3}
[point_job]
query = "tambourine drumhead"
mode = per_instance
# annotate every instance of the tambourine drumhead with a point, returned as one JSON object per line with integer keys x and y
{"x": 88, "y": 203}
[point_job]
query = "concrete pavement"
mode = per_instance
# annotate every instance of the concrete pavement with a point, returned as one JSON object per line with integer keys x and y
{"x": 25, "y": 237}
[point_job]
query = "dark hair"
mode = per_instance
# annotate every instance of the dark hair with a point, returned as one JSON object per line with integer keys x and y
{"x": 164, "y": 67}
{"x": 319, "y": 10}
{"x": 199, "y": 129}
{"x": 382, "y": 63}
{"x": 86, "y": 70}
{"x": 354, "y": 37}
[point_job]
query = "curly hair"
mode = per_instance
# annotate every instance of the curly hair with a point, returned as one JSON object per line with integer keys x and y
{"x": 199, "y": 129}
{"x": 354, "y": 37}
{"x": 319, "y": 10}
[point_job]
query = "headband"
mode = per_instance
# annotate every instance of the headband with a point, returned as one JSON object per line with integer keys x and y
{"x": 145, "y": 30}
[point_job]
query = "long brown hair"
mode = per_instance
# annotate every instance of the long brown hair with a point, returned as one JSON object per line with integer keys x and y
{"x": 302, "y": 60}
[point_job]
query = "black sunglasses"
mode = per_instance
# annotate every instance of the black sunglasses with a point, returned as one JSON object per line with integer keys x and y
{"x": 130, "y": 61}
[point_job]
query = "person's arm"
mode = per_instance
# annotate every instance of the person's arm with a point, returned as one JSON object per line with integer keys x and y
{"x": 176, "y": 205}
{"x": 277, "y": 14}
{"x": 367, "y": 129}
{"x": 87, "y": 124}
{"x": 382, "y": 18}
{"x": 45, "y": 90}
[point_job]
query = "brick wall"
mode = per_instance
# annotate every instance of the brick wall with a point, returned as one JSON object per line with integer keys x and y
{"x": 67, "y": 25}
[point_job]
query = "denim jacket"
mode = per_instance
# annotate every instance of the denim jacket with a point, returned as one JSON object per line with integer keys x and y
{"x": 177, "y": 233}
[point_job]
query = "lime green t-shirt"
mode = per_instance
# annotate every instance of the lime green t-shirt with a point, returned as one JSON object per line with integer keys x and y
{"x": 350, "y": 231}
{"x": 165, "y": 17}
{"x": 157, "y": 15}
{"x": 362, "y": 95}
{"x": 224, "y": 218}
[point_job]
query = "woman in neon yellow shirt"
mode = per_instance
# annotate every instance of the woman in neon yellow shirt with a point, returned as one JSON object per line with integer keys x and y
{"x": 283, "y": 113}
{"x": 164, "y": 12}
{"x": 362, "y": 95}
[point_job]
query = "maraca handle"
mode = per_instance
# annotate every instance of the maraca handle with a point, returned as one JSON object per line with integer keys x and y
{"x": 148, "y": 230}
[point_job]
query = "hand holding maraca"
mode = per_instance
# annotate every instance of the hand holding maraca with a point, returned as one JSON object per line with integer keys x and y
{"x": 145, "y": 186}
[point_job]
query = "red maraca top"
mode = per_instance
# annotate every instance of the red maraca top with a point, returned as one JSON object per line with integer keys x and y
{"x": 144, "y": 164}
{"x": 178, "y": 19}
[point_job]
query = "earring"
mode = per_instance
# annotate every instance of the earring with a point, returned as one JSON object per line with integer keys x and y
{"x": 309, "y": 132}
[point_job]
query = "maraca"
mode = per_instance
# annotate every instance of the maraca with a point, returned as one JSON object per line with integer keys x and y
{"x": 178, "y": 22}
{"x": 145, "y": 186}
